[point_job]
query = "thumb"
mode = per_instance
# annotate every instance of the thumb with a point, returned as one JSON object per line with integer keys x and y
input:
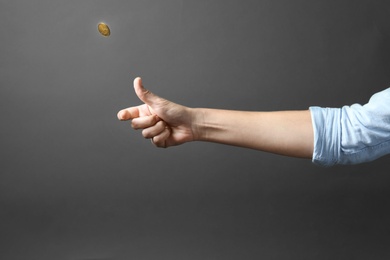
{"x": 145, "y": 95}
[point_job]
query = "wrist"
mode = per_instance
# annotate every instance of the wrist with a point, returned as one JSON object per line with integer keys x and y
{"x": 198, "y": 127}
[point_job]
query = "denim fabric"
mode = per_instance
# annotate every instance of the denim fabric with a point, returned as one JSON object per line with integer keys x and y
{"x": 352, "y": 134}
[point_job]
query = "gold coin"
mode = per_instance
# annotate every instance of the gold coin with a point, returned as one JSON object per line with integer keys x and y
{"x": 104, "y": 29}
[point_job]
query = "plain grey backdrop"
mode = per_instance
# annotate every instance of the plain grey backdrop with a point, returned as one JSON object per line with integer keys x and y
{"x": 75, "y": 183}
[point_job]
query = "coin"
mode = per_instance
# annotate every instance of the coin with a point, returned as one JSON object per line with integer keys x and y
{"x": 104, "y": 29}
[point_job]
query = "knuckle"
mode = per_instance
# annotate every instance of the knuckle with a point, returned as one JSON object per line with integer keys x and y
{"x": 134, "y": 125}
{"x": 156, "y": 119}
{"x": 153, "y": 119}
{"x": 159, "y": 141}
{"x": 146, "y": 133}
{"x": 146, "y": 92}
{"x": 161, "y": 124}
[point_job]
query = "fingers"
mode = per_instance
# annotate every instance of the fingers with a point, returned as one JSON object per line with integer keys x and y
{"x": 154, "y": 130}
{"x": 144, "y": 122}
{"x": 145, "y": 117}
{"x": 145, "y": 95}
{"x": 160, "y": 139}
{"x": 151, "y": 100}
{"x": 128, "y": 113}
{"x": 157, "y": 133}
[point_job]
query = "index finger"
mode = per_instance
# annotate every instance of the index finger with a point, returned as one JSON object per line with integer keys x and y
{"x": 128, "y": 113}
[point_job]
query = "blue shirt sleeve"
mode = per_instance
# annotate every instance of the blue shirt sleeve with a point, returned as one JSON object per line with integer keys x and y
{"x": 352, "y": 134}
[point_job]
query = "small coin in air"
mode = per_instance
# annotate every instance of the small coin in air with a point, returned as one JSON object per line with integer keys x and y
{"x": 104, "y": 29}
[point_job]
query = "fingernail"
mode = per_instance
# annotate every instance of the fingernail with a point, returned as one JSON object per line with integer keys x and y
{"x": 120, "y": 115}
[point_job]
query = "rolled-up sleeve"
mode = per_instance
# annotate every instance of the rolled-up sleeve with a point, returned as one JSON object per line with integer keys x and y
{"x": 352, "y": 134}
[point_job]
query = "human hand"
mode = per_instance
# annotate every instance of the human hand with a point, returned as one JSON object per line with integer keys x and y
{"x": 164, "y": 122}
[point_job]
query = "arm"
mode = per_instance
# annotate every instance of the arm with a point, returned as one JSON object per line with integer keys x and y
{"x": 285, "y": 132}
{"x": 167, "y": 124}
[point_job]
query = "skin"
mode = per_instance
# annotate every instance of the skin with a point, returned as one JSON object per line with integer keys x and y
{"x": 168, "y": 124}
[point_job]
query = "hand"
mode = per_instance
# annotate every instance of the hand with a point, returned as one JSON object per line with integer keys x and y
{"x": 164, "y": 122}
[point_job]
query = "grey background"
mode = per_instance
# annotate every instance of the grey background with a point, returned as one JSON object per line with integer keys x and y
{"x": 75, "y": 183}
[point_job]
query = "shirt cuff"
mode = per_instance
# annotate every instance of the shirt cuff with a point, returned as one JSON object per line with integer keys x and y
{"x": 327, "y": 134}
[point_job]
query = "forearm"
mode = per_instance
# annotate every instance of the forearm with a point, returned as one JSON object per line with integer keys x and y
{"x": 286, "y": 132}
